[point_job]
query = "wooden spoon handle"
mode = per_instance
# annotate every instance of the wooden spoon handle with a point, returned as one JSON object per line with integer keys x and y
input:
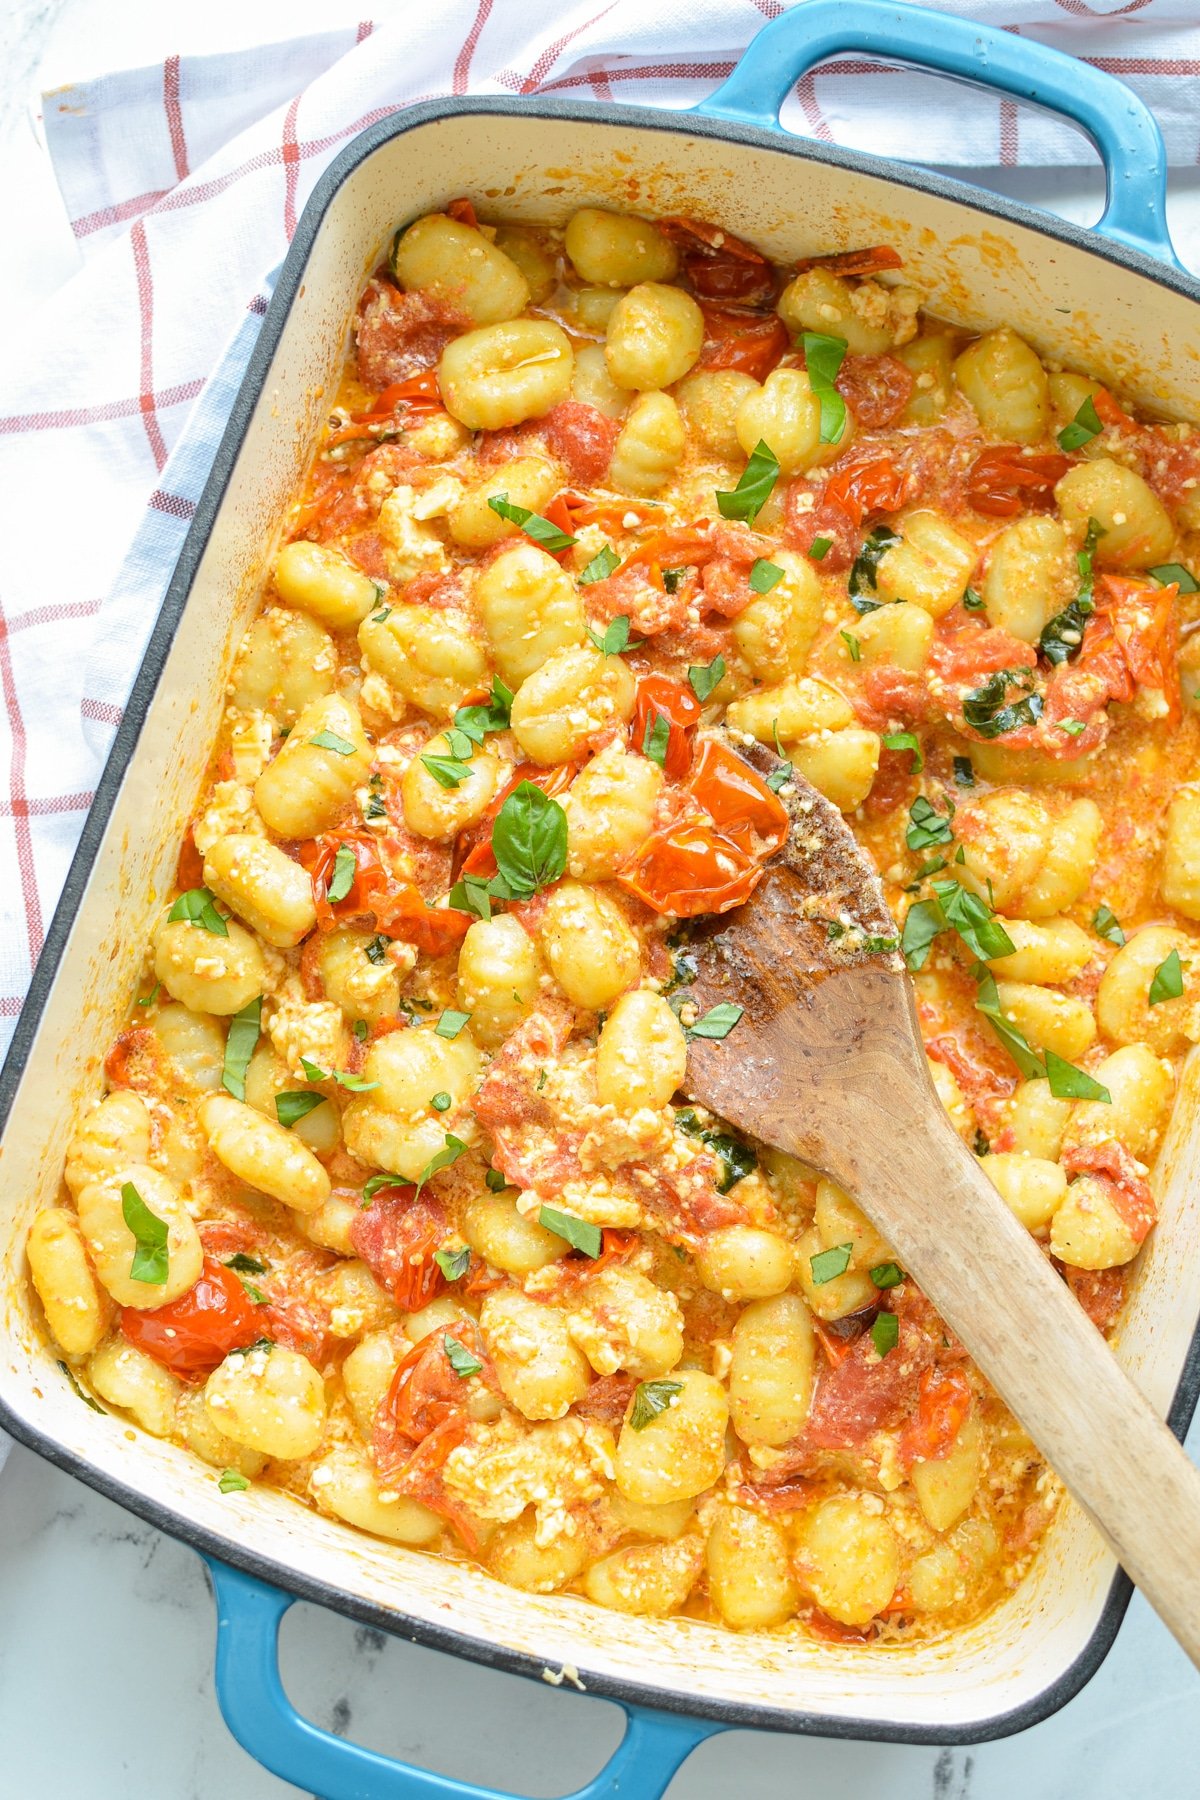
{"x": 1047, "y": 1361}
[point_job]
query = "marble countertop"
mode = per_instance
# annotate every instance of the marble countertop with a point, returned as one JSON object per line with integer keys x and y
{"x": 107, "y": 1626}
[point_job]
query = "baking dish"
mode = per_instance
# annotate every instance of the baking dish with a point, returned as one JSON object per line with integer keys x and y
{"x": 1109, "y": 307}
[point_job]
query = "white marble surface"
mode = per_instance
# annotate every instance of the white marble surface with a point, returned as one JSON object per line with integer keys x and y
{"x": 106, "y": 1626}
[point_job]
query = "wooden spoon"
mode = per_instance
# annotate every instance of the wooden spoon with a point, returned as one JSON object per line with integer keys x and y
{"x": 827, "y": 1064}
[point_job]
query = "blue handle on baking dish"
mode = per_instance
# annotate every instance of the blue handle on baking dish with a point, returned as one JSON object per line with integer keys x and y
{"x": 264, "y": 1721}
{"x": 1123, "y": 130}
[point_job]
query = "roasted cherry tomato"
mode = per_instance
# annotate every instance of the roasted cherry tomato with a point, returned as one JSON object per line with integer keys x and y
{"x": 876, "y": 388}
{"x": 1006, "y": 478}
{"x": 396, "y": 1236}
{"x": 738, "y": 800}
{"x": 942, "y": 1411}
{"x": 737, "y": 338}
{"x": 718, "y": 265}
{"x": 398, "y": 907}
{"x": 658, "y": 697}
{"x": 854, "y": 262}
{"x": 688, "y": 868}
{"x": 195, "y": 1333}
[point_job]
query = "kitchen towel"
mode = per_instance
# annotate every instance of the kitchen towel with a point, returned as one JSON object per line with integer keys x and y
{"x": 183, "y": 182}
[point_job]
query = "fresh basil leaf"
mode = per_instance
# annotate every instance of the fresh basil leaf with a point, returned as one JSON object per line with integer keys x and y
{"x": 81, "y": 1392}
{"x": 459, "y": 1357}
{"x": 240, "y": 1044}
{"x": 819, "y": 549}
{"x": 987, "y": 1002}
{"x": 453, "y": 1263}
{"x": 973, "y": 920}
{"x": 737, "y": 1160}
{"x": 927, "y": 868}
{"x": 441, "y": 1102}
{"x": 472, "y": 893}
{"x": 988, "y": 710}
{"x": 529, "y": 840}
{"x": 827, "y": 1265}
{"x": 1168, "y": 980}
{"x": 449, "y": 1153}
{"x": 650, "y": 1398}
{"x": 1107, "y": 925}
{"x": 577, "y": 1232}
{"x": 602, "y": 565}
{"x": 353, "y": 1083}
{"x": 1069, "y": 1083}
{"x": 704, "y": 677}
{"x": 329, "y": 740}
{"x": 377, "y": 618}
{"x": 447, "y": 771}
{"x": 478, "y": 720}
{"x": 852, "y": 644}
{"x": 754, "y": 489}
{"x": 673, "y": 579}
{"x": 230, "y": 1482}
{"x": 717, "y": 1022}
{"x": 1083, "y": 428}
{"x": 905, "y": 740}
{"x": 295, "y": 1104}
{"x": 378, "y": 1182}
{"x": 616, "y": 636}
{"x": 345, "y": 868}
{"x": 922, "y": 924}
{"x": 885, "y": 1332}
{"x": 152, "y": 996}
{"x": 823, "y": 358}
{"x": 927, "y": 826}
{"x": 972, "y": 601}
{"x": 887, "y": 1275}
{"x": 376, "y": 951}
{"x": 496, "y": 1181}
{"x": 198, "y": 908}
{"x": 241, "y": 1264}
{"x": 1166, "y": 573}
{"x": 151, "y": 1260}
{"x": 765, "y": 575}
{"x": 1062, "y": 637}
{"x": 542, "y": 531}
{"x": 1072, "y": 727}
{"x": 450, "y": 1023}
{"x": 656, "y": 738}
{"x": 964, "y": 771}
{"x": 865, "y": 568}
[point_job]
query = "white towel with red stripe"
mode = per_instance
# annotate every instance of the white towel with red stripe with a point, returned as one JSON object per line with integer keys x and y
{"x": 183, "y": 182}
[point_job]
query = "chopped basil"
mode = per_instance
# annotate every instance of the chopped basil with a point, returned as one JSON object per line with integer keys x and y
{"x": 601, "y": 565}
{"x": 474, "y": 894}
{"x": 230, "y": 1482}
{"x": 964, "y": 771}
{"x": 1166, "y": 573}
{"x": 923, "y": 922}
{"x": 375, "y": 808}
{"x": 971, "y": 600}
{"x": 152, "y": 996}
{"x": 496, "y": 1181}
{"x": 926, "y": 825}
{"x": 1168, "y": 980}
{"x": 865, "y": 569}
{"x": 973, "y": 920}
{"x": 151, "y": 1261}
{"x": 1069, "y": 1083}
{"x": 441, "y": 1102}
{"x": 529, "y": 839}
{"x": 241, "y": 1264}
{"x": 717, "y": 1022}
{"x": 885, "y": 1332}
{"x": 823, "y": 358}
{"x": 361, "y": 1028}
{"x": 478, "y": 720}
{"x": 459, "y": 1357}
{"x": 295, "y": 1104}
{"x": 450, "y": 1023}
{"x": 1083, "y": 428}
{"x": 852, "y": 644}
{"x": 577, "y": 1232}
{"x": 345, "y": 868}
{"x": 461, "y": 744}
{"x": 927, "y": 868}
{"x": 377, "y": 1182}
{"x": 449, "y": 1153}
{"x": 377, "y": 618}
{"x": 988, "y": 710}
{"x": 905, "y": 740}
{"x": 650, "y": 1398}
{"x": 453, "y": 1263}
{"x": 887, "y": 1275}
{"x": 1106, "y": 923}
{"x": 704, "y": 677}
{"x": 240, "y": 1045}
{"x": 656, "y": 738}
{"x": 329, "y": 740}
{"x": 616, "y": 636}
{"x": 736, "y": 1159}
{"x": 754, "y": 489}
{"x": 198, "y": 908}
{"x": 880, "y": 946}
{"x": 783, "y": 774}
{"x": 673, "y": 578}
{"x": 1072, "y": 727}
{"x": 353, "y": 1083}
{"x": 1062, "y": 637}
{"x": 1014, "y": 1041}
{"x": 819, "y": 549}
{"x": 542, "y": 531}
{"x": 827, "y": 1265}
{"x": 765, "y": 575}
{"x": 81, "y": 1391}
{"x": 447, "y": 771}
{"x": 376, "y": 951}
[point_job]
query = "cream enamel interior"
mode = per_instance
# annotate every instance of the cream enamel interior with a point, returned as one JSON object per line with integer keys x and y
{"x": 974, "y": 269}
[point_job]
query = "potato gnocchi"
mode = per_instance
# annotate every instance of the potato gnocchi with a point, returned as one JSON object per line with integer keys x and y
{"x": 393, "y": 1198}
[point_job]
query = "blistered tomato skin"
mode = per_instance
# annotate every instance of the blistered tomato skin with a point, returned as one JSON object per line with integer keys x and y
{"x": 392, "y": 1198}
